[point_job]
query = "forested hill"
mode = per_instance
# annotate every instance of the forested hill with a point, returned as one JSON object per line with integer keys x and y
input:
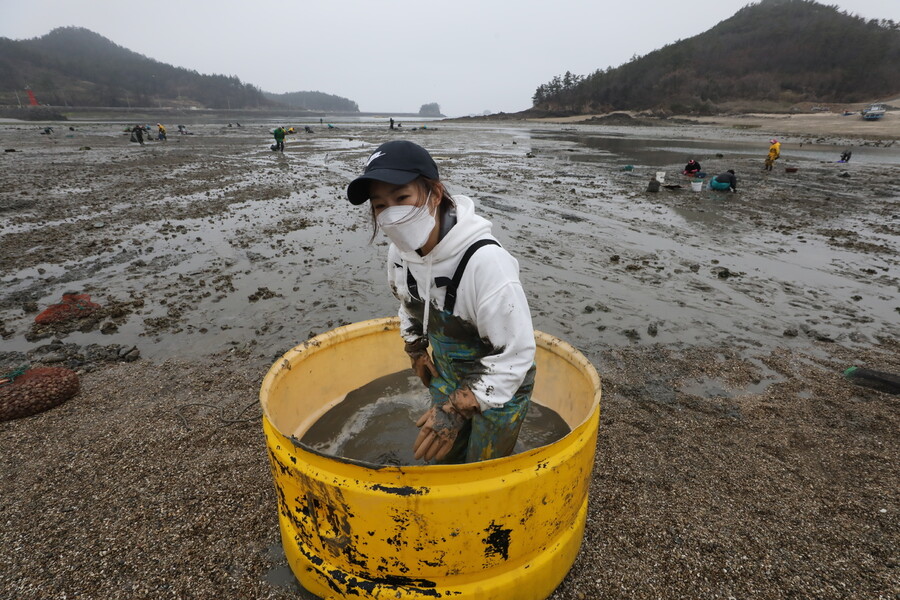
{"x": 774, "y": 53}
{"x": 73, "y": 66}
{"x": 314, "y": 101}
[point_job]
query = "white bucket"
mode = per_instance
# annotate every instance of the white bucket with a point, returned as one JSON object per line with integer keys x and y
{"x": 661, "y": 176}
{"x": 697, "y": 186}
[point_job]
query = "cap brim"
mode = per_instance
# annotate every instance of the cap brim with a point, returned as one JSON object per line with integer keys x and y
{"x": 358, "y": 190}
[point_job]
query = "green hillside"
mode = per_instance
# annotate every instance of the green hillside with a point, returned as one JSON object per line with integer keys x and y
{"x": 75, "y": 67}
{"x": 774, "y": 53}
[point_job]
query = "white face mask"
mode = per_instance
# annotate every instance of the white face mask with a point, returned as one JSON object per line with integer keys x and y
{"x": 407, "y": 226}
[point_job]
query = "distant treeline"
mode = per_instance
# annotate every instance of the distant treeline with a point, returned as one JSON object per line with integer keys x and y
{"x": 314, "y": 101}
{"x": 776, "y": 51}
{"x": 33, "y": 113}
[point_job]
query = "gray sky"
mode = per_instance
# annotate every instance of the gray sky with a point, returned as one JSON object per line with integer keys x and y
{"x": 393, "y": 55}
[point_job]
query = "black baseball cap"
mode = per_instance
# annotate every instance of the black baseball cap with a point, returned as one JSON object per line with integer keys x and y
{"x": 397, "y": 162}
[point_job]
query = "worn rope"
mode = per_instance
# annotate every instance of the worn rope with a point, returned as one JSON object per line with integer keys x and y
{"x": 8, "y": 378}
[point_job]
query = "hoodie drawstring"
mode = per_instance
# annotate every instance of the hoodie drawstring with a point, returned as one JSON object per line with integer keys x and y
{"x": 428, "y": 262}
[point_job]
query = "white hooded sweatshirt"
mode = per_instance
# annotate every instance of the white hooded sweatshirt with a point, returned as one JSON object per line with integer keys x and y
{"x": 489, "y": 296}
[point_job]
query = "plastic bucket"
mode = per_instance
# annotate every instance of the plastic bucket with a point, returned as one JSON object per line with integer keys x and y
{"x": 502, "y": 529}
{"x": 661, "y": 176}
{"x": 697, "y": 186}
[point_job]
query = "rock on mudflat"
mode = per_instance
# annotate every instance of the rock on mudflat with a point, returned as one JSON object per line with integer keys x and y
{"x": 129, "y": 354}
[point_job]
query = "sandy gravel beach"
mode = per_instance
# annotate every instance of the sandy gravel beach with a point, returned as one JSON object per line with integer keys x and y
{"x": 734, "y": 459}
{"x": 822, "y": 125}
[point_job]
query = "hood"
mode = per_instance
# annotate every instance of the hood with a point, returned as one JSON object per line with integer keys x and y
{"x": 469, "y": 228}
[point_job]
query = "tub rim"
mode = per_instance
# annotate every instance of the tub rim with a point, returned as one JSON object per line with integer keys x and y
{"x": 322, "y": 341}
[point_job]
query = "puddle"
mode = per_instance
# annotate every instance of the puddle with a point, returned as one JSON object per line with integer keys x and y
{"x": 712, "y": 387}
{"x": 638, "y": 148}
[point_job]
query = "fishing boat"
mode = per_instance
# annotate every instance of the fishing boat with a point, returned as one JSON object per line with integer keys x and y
{"x": 873, "y": 113}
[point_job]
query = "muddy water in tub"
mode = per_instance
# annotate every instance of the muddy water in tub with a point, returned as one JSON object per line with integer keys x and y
{"x": 377, "y": 423}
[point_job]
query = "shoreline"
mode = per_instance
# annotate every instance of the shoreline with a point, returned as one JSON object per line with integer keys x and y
{"x": 815, "y": 125}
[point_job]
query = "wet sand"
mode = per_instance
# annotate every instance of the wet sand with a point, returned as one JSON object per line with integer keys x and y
{"x": 733, "y": 459}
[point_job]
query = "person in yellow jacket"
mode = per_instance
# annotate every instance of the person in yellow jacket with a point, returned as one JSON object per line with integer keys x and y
{"x": 161, "y": 135}
{"x": 774, "y": 153}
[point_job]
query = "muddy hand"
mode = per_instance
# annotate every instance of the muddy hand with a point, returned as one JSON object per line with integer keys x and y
{"x": 421, "y": 360}
{"x": 463, "y": 400}
{"x": 423, "y": 366}
{"x": 439, "y": 428}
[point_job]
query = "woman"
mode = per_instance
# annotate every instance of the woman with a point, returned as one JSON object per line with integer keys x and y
{"x": 691, "y": 168}
{"x": 460, "y": 295}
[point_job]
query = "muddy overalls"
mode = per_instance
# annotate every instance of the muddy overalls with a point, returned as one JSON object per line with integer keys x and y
{"x": 456, "y": 351}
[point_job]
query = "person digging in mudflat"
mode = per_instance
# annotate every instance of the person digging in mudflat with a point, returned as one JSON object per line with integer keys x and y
{"x": 691, "y": 168}
{"x": 279, "y": 134}
{"x": 137, "y": 133}
{"x": 773, "y": 155}
{"x": 460, "y": 295}
{"x": 724, "y": 182}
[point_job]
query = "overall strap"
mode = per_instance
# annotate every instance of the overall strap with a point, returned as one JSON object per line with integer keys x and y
{"x": 453, "y": 284}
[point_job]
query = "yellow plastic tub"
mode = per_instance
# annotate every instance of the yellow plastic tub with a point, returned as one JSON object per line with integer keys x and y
{"x": 503, "y": 529}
